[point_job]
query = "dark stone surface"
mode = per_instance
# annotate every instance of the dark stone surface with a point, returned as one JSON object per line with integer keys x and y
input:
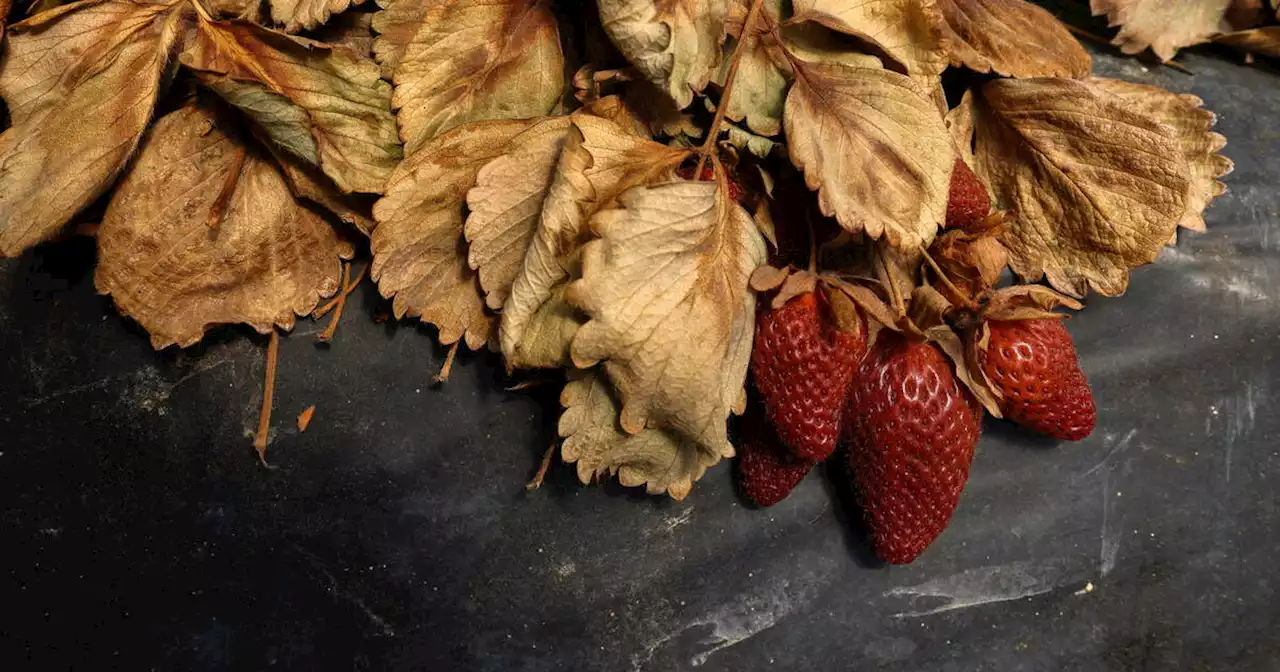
{"x": 137, "y": 529}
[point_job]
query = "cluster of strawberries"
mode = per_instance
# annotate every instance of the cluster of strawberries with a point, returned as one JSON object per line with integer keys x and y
{"x": 894, "y": 404}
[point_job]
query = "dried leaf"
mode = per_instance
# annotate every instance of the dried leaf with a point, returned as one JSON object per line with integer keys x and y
{"x": 967, "y": 370}
{"x": 599, "y": 161}
{"x": 743, "y": 139}
{"x": 673, "y": 43}
{"x": 306, "y": 14}
{"x": 309, "y": 183}
{"x": 960, "y": 121}
{"x": 1012, "y": 38}
{"x": 506, "y": 203}
{"x": 672, "y": 317}
{"x": 81, "y": 82}
{"x": 1164, "y": 25}
{"x": 874, "y": 148}
{"x": 419, "y": 253}
{"x": 322, "y": 104}
{"x": 461, "y": 61}
{"x": 1264, "y": 41}
{"x": 1191, "y": 126}
{"x": 178, "y": 271}
{"x": 760, "y": 84}
{"x": 658, "y": 459}
{"x": 1098, "y": 188}
{"x": 351, "y": 30}
{"x": 905, "y": 31}
{"x": 814, "y": 43}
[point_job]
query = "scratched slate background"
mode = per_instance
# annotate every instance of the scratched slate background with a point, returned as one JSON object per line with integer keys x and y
{"x": 138, "y": 531}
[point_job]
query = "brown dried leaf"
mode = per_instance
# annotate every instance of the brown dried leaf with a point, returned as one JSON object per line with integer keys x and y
{"x": 599, "y": 161}
{"x": 178, "y": 271}
{"x": 672, "y": 317}
{"x": 81, "y": 82}
{"x": 960, "y": 122}
{"x": 506, "y": 203}
{"x": 306, "y": 14}
{"x": 1012, "y": 38}
{"x": 419, "y": 253}
{"x": 814, "y": 42}
{"x": 658, "y": 459}
{"x": 874, "y": 148}
{"x": 905, "y": 31}
{"x": 1191, "y": 125}
{"x": 309, "y": 183}
{"x": 1097, "y": 187}
{"x": 967, "y": 370}
{"x": 351, "y": 30}
{"x": 674, "y": 43}
{"x": 1164, "y": 25}
{"x": 323, "y": 104}
{"x": 760, "y": 85}
{"x": 460, "y": 61}
{"x": 1264, "y": 41}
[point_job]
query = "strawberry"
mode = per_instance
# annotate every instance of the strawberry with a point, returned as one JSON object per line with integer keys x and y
{"x": 802, "y": 365}
{"x": 1033, "y": 364}
{"x": 912, "y": 431}
{"x": 766, "y": 471}
{"x": 709, "y": 174}
{"x": 967, "y": 202}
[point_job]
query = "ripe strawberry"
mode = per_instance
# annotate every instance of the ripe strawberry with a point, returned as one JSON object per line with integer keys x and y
{"x": 1033, "y": 364}
{"x": 912, "y": 432}
{"x": 766, "y": 471}
{"x": 802, "y": 365}
{"x": 709, "y": 174}
{"x": 967, "y": 202}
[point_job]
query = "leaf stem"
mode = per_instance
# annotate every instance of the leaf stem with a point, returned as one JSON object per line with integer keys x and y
{"x": 946, "y": 282}
{"x": 219, "y": 208}
{"x": 268, "y": 394}
{"x": 734, "y": 61}
{"x": 443, "y": 376}
{"x": 333, "y": 303}
{"x": 327, "y": 334}
{"x": 542, "y": 469}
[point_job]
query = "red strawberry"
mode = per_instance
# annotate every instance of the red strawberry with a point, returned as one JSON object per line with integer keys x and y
{"x": 912, "y": 431}
{"x": 766, "y": 472}
{"x": 968, "y": 202}
{"x": 709, "y": 174}
{"x": 1033, "y": 364}
{"x": 802, "y": 365}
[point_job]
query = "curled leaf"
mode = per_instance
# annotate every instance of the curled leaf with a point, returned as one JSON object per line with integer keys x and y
{"x": 1164, "y": 25}
{"x": 671, "y": 315}
{"x": 1097, "y": 188}
{"x": 904, "y": 31}
{"x": 674, "y": 43}
{"x": 1010, "y": 37}
{"x": 306, "y": 14}
{"x": 228, "y": 244}
{"x": 874, "y": 147}
{"x": 81, "y": 82}
{"x": 658, "y": 459}
{"x": 461, "y": 61}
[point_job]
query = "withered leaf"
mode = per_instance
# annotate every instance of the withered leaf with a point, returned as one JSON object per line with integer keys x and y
{"x": 306, "y": 14}
{"x": 905, "y": 31}
{"x": 960, "y": 121}
{"x": 600, "y": 160}
{"x": 674, "y": 43}
{"x": 874, "y": 147}
{"x": 323, "y": 104}
{"x": 1164, "y": 25}
{"x": 672, "y": 316}
{"x": 814, "y": 42}
{"x": 469, "y": 60}
{"x": 760, "y": 84}
{"x": 658, "y": 459}
{"x": 351, "y": 30}
{"x": 1192, "y": 126}
{"x": 505, "y": 205}
{"x": 1097, "y": 188}
{"x": 1264, "y": 41}
{"x": 419, "y": 252}
{"x": 309, "y": 183}
{"x": 1010, "y": 37}
{"x": 226, "y": 244}
{"x": 81, "y": 82}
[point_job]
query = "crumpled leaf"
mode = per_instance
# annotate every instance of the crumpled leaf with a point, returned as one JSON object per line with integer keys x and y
{"x": 760, "y": 84}
{"x": 673, "y": 43}
{"x": 81, "y": 82}
{"x": 506, "y": 203}
{"x": 177, "y": 271}
{"x": 1012, "y": 38}
{"x": 599, "y": 161}
{"x": 1097, "y": 188}
{"x": 306, "y": 14}
{"x": 672, "y": 316}
{"x": 1192, "y": 126}
{"x": 1164, "y": 25}
{"x": 905, "y": 31}
{"x": 322, "y": 104}
{"x": 658, "y": 459}
{"x": 419, "y": 252}
{"x": 874, "y": 147}
{"x": 469, "y": 60}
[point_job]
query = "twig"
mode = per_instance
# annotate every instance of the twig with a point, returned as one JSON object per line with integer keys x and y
{"x": 268, "y": 393}
{"x": 542, "y": 469}
{"x": 443, "y": 376}
{"x": 734, "y": 61}
{"x": 333, "y": 303}
{"x": 327, "y": 334}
